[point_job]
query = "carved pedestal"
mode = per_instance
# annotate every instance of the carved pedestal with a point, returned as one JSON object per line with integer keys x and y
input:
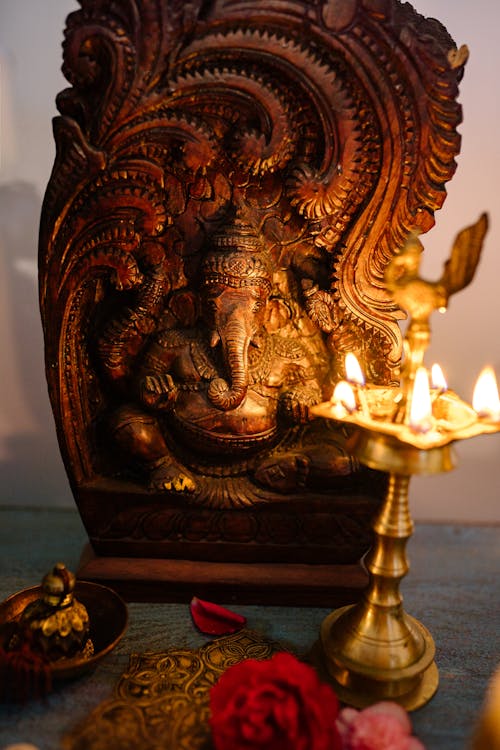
{"x": 304, "y": 551}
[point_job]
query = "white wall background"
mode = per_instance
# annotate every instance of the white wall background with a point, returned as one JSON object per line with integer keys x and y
{"x": 466, "y": 338}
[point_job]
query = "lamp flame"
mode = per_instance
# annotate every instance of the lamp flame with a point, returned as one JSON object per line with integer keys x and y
{"x": 353, "y": 369}
{"x": 485, "y": 399}
{"x": 343, "y": 395}
{"x": 421, "y": 405}
{"x": 438, "y": 380}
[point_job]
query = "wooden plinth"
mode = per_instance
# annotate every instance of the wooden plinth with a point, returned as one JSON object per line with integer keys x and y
{"x": 151, "y": 579}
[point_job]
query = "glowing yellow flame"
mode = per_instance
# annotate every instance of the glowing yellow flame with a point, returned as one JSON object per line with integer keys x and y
{"x": 438, "y": 380}
{"x": 344, "y": 396}
{"x": 421, "y": 405}
{"x": 353, "y": 369}
{"x": 485, "y": 399}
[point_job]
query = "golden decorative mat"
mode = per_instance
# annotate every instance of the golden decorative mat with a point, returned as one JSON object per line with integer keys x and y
{"x": 162, "y": 700}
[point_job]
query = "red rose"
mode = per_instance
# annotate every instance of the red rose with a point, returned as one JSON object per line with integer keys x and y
{"x": 279, "y": 704}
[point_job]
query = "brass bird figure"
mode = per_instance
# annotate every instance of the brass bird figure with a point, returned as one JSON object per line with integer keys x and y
{"x": 420, "y": 297}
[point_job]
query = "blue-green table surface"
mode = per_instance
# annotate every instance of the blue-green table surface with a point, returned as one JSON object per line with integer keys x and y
{"x": 453, "y": 588}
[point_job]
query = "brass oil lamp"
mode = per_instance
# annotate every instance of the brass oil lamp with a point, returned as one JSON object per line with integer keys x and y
{"x": 373, "y": 650}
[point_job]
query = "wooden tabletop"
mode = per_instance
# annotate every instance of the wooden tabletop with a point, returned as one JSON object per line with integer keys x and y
{"x": 453, "y": 588}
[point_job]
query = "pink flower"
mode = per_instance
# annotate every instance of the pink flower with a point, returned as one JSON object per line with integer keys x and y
{"x": 384, "y": 726}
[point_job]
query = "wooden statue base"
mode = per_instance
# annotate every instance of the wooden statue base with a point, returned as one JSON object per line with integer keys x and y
{"x": 155, "y": 547}
{"x": 283, "y": 584}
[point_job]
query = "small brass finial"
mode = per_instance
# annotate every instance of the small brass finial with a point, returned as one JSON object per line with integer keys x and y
{"x": 58, "y": 624}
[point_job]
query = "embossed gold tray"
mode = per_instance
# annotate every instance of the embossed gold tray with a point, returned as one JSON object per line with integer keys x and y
{"x": 108, "y": 621}
{"x": 162, "y": 698}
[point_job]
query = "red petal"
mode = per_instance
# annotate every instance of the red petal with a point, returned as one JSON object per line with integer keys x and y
{"x": 212, "y": 619}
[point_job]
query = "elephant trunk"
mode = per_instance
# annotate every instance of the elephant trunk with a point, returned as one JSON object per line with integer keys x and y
{"x": 227, "y": 396}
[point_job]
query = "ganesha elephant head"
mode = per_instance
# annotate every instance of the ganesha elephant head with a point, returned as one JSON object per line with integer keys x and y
{"x": 236, "y": 284}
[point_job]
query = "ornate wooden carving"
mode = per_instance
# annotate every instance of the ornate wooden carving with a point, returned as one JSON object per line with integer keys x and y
{"x": 232, "y": 178}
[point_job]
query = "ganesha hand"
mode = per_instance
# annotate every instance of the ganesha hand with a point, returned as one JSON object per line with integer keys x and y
{"x": 294, "y": 408}
{"x": 158, "y": 391}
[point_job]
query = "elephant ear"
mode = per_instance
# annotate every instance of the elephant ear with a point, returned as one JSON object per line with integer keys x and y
{"x": 328, "y": 126}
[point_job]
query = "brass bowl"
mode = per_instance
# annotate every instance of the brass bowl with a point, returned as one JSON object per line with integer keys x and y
{"x": 108, "y": 616}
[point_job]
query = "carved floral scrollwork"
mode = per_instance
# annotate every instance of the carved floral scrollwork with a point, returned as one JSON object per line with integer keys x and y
{"x": 314, "y": 135}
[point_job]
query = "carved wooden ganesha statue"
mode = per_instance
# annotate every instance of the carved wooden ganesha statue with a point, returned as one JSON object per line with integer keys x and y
{"x": 232, "y": 178}
{"x": 225, "y": 381}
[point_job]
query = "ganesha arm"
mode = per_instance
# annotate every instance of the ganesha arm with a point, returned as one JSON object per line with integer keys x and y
{"x": 138, "y": 429}
{"x": 123, "y": 337}
{"x": 157, "y": 389}
{"x": 308, "y": 455}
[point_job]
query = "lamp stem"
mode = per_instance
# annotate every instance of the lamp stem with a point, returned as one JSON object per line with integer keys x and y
{"x": 387, "y": 562}
{"x": 373, "y": 650}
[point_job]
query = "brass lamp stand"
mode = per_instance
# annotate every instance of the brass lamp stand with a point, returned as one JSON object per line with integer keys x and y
{"x": 373, "y": 650}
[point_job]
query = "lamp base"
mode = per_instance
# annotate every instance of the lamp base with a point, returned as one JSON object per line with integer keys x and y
{"x": 361, "y": 685}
